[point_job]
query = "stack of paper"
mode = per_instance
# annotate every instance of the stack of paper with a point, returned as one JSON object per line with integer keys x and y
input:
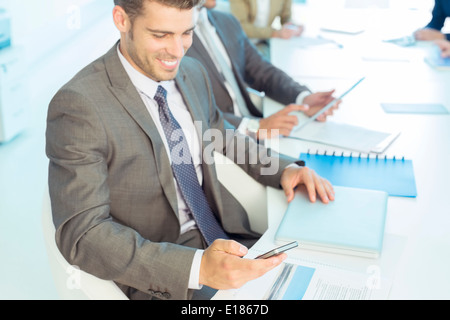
{"x": 351, "y": 224}
{"x": 415, "y": 108}
{"x": 294, "y": 280}
{"x": 346, "y": 136}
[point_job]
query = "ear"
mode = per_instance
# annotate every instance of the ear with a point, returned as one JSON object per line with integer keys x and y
{"x": 121, "y": 19}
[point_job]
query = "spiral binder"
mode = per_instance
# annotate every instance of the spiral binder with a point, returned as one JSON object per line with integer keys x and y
{"x": 359, "y": 155}
{"x": 395, "y": 175}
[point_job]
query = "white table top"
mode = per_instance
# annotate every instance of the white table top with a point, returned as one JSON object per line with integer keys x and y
{"x": 416, "y": 253}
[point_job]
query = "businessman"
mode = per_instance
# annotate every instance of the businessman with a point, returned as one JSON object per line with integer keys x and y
{"x": 132, "y": 199}
{"x": 432, "y": 30}
{"x": 234, "y": 64}
{"x": 257, "y": 17}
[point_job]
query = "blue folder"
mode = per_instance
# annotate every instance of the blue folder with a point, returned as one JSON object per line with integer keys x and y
{"x": 435, "y": 59}
{"x": 415, "y": 108}
{"x": 394, "y": 176}
{"x": 353, "y": 223}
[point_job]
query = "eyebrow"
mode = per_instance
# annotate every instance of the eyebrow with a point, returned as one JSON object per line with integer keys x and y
{"x": 168, "y": 32}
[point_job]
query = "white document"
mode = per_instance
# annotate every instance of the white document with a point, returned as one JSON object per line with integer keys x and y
{"x": 346, "y": 136}
{"x": 293, "y": 281}
{"x": 343, "y": 27}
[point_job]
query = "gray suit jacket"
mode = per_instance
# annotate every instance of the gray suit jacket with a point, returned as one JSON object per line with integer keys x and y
{"x": 111, "y": 185}
{"x": 249, "y": 66}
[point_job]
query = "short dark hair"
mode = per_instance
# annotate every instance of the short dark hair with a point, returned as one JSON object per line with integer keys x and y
{"x": 134, "y": 7}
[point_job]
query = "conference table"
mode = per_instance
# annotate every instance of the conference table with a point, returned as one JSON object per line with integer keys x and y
{"x": 416, "y": 250}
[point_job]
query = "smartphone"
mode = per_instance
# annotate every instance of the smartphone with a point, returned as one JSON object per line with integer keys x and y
{"x": 278, "y": 250}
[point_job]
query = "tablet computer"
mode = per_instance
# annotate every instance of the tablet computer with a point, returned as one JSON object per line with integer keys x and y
{"x": 328, "y": 106}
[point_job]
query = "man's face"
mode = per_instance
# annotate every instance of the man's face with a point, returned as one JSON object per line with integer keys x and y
{"x": 158, "y": 40}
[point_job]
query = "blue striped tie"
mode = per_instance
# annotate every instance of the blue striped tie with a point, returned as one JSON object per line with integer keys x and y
{"x": 184, "y": 172}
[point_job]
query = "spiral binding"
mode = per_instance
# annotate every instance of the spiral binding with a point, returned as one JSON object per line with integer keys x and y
{"x": 360, "y": 155}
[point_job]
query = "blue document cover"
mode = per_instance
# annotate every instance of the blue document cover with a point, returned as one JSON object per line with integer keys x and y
{"x": 351, "y": 224}
{"x": 5, "y": 29}
{"x": 435, "y": 59}
{"x": 415, "y": 108}
{"x": 394, "y": 176}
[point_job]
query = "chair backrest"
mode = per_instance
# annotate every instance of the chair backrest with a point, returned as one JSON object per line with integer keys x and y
{"x": 251, "y": 194}
{"x": 71, "y": 282}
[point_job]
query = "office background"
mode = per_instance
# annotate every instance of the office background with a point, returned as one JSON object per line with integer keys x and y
{"x": 54, "y": 39}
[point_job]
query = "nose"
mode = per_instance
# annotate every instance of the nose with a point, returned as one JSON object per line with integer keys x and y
{"x": 177, "y": 47}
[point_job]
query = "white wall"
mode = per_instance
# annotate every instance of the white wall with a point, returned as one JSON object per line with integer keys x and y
{"x": 41, "y": 26}
{"x": 45, "y": 28}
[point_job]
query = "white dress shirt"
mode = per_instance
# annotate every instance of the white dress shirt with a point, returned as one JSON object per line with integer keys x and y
{"x": 147, "y": 90}
{"x": 262, "y": 13}
{"x": 203, "y": 18}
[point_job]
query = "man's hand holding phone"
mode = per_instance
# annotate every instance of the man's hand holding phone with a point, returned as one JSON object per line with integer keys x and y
{"x": 223, "y": 268}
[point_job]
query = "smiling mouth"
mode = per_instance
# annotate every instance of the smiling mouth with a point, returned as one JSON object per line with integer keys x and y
{"x": 169, "y": 63}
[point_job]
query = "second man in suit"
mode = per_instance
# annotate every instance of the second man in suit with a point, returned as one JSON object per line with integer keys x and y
{"x": 257, "y": 17}
{"x": 234, "y": 64}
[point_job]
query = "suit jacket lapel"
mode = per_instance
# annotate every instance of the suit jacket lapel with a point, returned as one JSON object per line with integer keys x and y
{"x": 224, "y": 40}
{"x": 274, "y": 10}
{"x": 192, "y": 102}
{"x": 123, "y": 89}
{"x": 201, "y": 51}
{"x": 254, "y": 9}
{"x": 126, "y": 93}
{"x": 229, "y": 46}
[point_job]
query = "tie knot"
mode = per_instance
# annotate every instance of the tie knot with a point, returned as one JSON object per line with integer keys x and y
{"x": 161, "y": 95}
{"x": 161, "y": 99}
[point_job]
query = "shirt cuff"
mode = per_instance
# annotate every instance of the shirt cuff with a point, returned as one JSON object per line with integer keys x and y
{"x": 302, "y": 96}
{"x": 194, "y": 277}
{"x": 297, "y": 164}
{"x": 243, "y": 126}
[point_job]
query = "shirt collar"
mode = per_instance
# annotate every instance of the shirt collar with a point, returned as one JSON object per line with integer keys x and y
{"x": 143, "y": 83}
{"x": 203, "y": 17}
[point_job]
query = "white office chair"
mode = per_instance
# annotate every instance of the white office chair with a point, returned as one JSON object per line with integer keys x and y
{"x": 74, "y": 284}
{"x": 250, "y": 194}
